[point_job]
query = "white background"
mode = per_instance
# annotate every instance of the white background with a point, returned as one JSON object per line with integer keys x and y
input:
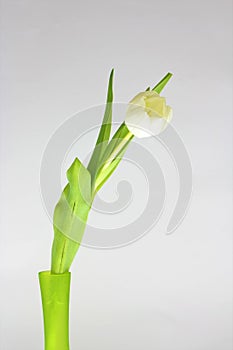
{"x": 163, "y": 292}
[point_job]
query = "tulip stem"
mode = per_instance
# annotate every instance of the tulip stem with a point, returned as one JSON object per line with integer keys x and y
{"x": 113, "y": 154}
{"x": 117, "y": 150}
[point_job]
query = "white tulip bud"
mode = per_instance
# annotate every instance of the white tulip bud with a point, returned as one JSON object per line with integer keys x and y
{"x": 147, "y": 114}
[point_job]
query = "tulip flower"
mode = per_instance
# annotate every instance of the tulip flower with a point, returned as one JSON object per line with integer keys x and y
{"x": 147, "y": 114}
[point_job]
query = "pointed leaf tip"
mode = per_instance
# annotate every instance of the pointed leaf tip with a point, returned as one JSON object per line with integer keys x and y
{"x": 163, "y": 82}
{"x": 105, "y": 130}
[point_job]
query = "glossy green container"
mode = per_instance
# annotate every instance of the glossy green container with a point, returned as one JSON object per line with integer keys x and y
{"x": 55, "y": 295}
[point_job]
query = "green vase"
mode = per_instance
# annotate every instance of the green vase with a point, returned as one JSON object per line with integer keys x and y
{"x": 55, "y": 294}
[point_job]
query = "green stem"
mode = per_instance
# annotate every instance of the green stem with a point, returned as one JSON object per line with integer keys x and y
{"x": 117, "y": 150}
{"x": 113, "y": 155}
{"x": 55, "y": 292}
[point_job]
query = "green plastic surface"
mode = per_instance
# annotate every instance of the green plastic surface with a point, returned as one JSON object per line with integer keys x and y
{"x": 55, "y": 293}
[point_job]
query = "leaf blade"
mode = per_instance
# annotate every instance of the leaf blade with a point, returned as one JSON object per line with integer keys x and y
{"x": 121, "y": 140}
{"x": 161, "y": 84}
{"x": 71, "y": 211}
{"x": 112, "y": 167}
{"x": 104, "y": 132}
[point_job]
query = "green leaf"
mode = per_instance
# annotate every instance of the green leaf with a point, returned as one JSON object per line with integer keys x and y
{"x": 70, "y": 216}
{"x": 106, "y": 173}
{"x": 117, "y": 138}
{"x": 105, "y": 130}
{"x": 159, "y": 87}
{"x": 71, "y": 211}
{"x": 79, "y": 180}
{"x": 111, "y": 168}
{"x": 115, "y": 151}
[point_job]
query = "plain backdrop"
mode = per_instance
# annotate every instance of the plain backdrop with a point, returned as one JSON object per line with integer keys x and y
{"x": 162, "y": 292}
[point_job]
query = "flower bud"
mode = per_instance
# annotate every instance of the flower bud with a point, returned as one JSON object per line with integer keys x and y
{"x": 147, "y": 114}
